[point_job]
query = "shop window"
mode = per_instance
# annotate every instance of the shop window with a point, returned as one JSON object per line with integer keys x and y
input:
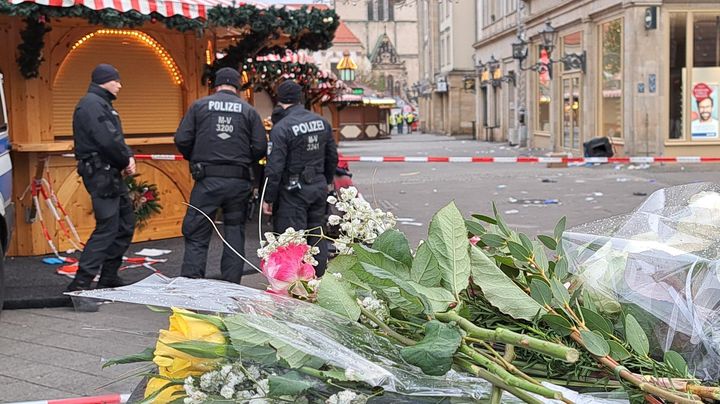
{"x": 543, "y": 102}
{"x": 572, "y": 43}
{"x": 678, "y": 57}
{"x": 611, "y": 79}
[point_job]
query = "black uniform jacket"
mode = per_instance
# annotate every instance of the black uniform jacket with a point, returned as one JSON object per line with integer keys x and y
{"x": 97, "y": 129}
{"x": 221, "y": 129}
{"x": 299, "y": 141}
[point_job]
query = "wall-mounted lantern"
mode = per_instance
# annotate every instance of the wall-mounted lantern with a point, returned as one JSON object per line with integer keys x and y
{"x": 548, "y": 36}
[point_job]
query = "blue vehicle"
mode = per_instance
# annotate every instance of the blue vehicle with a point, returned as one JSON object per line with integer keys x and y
{"x": 7, "y": 207}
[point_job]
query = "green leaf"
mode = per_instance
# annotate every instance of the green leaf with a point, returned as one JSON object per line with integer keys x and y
{"x": 201, "y": 349}
{"x": 434, "y": 354}
{"x": 549, "y": 242}
{"x": 500, "y": 290}
{"x": 289, "y": 384}
{"x": 262, "y": 354}
{"x": 379, "y": 259}
{"x": 145, "y": 356}
{"x": 559, "y": 292}
{"x": 525, "y": 241}
{"x": 245, "y": 336}
{"x": 425, "y": 269}
{"x": 500, "y": 222}
{"x": 675, "y": 361}
{"x": 540, "y": 257}
{"x": 394, "y": 243}
{"x": 157, "y": 309}
{"x": 594, "y": 343}
{"x": 617, "y": 351}
{"x": 540, "y": 291}
{"x": 596, "y": 322}
{"x": 561, "y": 269}
{"x": 343, "y": 264}
{"x": 636, "y": 336}
{"x": 559, "y": 324}
{"x": 493, "y": 240}
{"x": 438, "y": 298}
{"x": 518, "y": 252}
{"x": 560, "y": 229}
{"x": 335, "y": 296}
{"x": 474, "y": 228}
{"x": 397, "y": 290}
{"x": 483, "y": 218}
{"x": 447, "y": 237}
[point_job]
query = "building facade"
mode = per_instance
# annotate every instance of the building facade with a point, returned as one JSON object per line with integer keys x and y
{"x": 446, "y": 104}
{"x": 388, "y": 32}
{"x": 646, "y": 74}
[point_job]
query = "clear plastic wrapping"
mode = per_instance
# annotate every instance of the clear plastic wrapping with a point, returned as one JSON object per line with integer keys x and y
{"x": 660, "y": 263}
{"x": 312, "y": 330}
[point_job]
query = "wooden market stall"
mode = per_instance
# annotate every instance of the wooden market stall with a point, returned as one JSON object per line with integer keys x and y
{"x": 165, "y": 53}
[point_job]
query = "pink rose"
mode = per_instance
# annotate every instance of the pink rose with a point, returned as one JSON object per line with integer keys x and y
{"x": 284, "y": 267}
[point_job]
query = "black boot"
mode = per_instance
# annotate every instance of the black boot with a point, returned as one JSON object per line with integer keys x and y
{"x": 111, "y": 282}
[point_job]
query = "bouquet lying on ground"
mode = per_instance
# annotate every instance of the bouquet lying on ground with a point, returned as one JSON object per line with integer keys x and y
{"x": 475, "y": 310}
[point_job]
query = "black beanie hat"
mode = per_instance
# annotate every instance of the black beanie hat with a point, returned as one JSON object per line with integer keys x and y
{"x": 104, "y": 73}
{"x": 289, "y": 92}
{"x": 228, "y": 76}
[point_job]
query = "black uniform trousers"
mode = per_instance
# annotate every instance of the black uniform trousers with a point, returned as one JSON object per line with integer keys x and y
{"x": 305, "y": 208}
{"x": 209, "y": 194}
{"x": 103, "y": 253}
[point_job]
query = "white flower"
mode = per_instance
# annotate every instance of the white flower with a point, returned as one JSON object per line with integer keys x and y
{"x": 254, "y": 372}
{"x": 227, "y": 391}
{"x": 334, "y": 220}
{"x": 346, "y": 397}
{"x": 332, "y": 200}
{"x": 337, "y": 275}
{"x": 314, "y": 283}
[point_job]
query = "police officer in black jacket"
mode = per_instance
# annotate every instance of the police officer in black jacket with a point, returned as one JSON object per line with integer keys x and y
{"x": 302, "y": 157}
{"x": 103, "y": 158}
{"x": 221, "y": 135}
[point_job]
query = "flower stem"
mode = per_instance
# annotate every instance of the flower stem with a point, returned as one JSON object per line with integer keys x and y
{"x": 552, "y": 349}
{"x": 507, "y": 377}
{"x": 387, "y": 330}
{"x": 496, "y": 381}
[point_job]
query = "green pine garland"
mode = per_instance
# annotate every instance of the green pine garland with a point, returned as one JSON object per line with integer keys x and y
{"x": 307, "y": 28}
{"x": 145, "y": 199}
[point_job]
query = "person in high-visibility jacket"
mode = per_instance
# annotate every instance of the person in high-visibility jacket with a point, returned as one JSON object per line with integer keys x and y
{"x": 400, "y": 122}
{"x": 410, "y": 119}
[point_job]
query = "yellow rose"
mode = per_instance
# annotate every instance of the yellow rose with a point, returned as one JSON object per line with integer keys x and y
{"x": 165, "y": 396}
{"x": 176, "y": 364}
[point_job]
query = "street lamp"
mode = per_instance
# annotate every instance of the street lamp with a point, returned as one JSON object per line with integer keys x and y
{"x": 548, "y": 36}
{"x": 494, "y": 73}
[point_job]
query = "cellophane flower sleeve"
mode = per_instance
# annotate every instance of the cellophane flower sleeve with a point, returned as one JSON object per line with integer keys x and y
{"x": 309, "y": 330}
{"x": 659, "y": 263}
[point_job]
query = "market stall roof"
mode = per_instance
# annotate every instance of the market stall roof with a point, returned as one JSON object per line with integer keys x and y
{"x": 167, "y": 8}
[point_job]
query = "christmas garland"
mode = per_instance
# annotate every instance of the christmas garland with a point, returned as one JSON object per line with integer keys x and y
{"x": 266, "y": 30}
{"x": 266, "y": 72}
{"x": 145, "y": 199}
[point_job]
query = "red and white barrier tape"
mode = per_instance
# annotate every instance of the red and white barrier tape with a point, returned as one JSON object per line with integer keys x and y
{"x": 106, "y": 399}
{"x": 455, "y": 159}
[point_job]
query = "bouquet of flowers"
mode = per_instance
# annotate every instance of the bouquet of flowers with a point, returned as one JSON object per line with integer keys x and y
{"x": 474, "y": 311}
{"x": 145, "y": 199}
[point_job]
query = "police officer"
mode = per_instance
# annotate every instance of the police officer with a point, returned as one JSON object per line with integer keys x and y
{"x": 221, "y": 135}
{"x": 302, "y": 157}
{"x": 103, "y": 158}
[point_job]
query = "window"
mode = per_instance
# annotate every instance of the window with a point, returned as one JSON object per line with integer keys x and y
{"x": 611, "y": 79}
{"x": 334, "y": 69}
{"x": 491, "y": 12}
{"x": 544, "y": 97}
{"x": 694, "y": 89}
{"x": 678, "y": 57}
{"x": 381, "y": 10}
